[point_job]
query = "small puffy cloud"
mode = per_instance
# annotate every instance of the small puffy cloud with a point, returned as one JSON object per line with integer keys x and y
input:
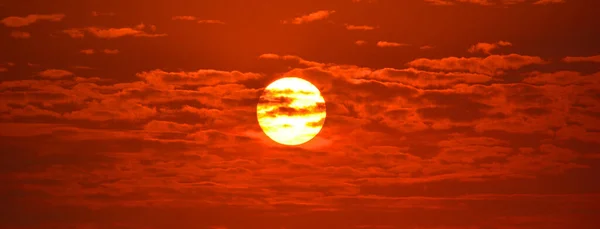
{"x": 20, "y": 34}
{"x": 360, "y": 42}
{"x": 488, "y": 47}
{"x": 314, "y": 16}
{"x": 390, "y": 44}
{"x": 15, "y": 21}
{"x": 55, "y": 73}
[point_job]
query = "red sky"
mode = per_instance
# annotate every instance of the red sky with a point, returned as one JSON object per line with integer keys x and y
{"x": 441, "y": 114}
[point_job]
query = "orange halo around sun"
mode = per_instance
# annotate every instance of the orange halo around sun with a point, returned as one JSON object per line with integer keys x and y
{"x": 291, "y": 111}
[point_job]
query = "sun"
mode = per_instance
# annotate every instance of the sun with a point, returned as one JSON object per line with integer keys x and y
{"x": 291, "y": 111}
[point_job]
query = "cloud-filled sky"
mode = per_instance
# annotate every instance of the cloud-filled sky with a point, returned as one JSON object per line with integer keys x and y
{"x": 441, "y": 114}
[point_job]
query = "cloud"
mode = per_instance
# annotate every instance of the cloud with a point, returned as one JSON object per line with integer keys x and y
{"x": 200, "y": 21}
{"x": 74, "y": 33}
{"x": 452, "y": 2}
{"x": 98, "y": 14}
{"x": 87, "y": 51}
{"x": 488, "y": 47}
{"x": 360, "y": 42}
{"x": 105, "y": 51}
{"x": 420, "y": 78}
{"x": 110, "y": 33}
{"x": 311, "y": 17}
{"x": 394, "y": 141}
{"x": 491, "y": 65}
{"x": 211, "y": 22}
{"x": 15, "y": 21}
{"x": 359, "y": 27}
{"x": 426, "y": 47}
{"x": 561, "y": 78}
{"x": 111, "y": 51}
{"x": 390, "y": 44}
{"x": 55, "y": 73}
{"x": 184, "y": 18}
{"x": 291, "y": 111}
{"x": 20, "y": 34}
{"x": 289, "y": 57}
{"x": 545, "y": 2}
{"x": 572, "y": 59}
{"x": 489, "y": 2}
{"x": 165, "y": 79}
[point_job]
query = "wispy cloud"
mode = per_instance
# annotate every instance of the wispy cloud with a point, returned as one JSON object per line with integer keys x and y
{"x": 311, "y": 17}
{"x": 140, "y": 30}
{"x": 20, "y": 34}
{"x": 384, "y": 44}
{"x": 15, "y": 21}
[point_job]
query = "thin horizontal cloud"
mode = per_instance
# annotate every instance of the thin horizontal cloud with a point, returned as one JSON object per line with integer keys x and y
{"x": 359, "y": 27}
{"x": 184, "y": 18}
{"x": 289, "y": 57}
{"x": 105, "y": 51}
{"x": 110, "y": 33}
{"x": 546, "y": 2}
{"x": 111, "y": 51}
{"x": 15, "y": 21}
{"x": 488, "y": 47}
{"x": 98, "y": 14}
{"x": 165, "y": 79}
{"x": 20, "y": 34}
{"x": 209, "y": 21}
{"x": 561, "y": 78}
{"x": 311, "y": 17}
{"x": 490, "y": 2}
{"x": 74, "y": 33}
{"x": 426, "y": 47}
{"x": 87, "y": 51}
{"x": 360, "y": 42}
{"x": 491, "y": 65}
{"x": 419, "y": 78}
{"x": 390, "y": 44}
{"x": 55, "y": 73}
{"x": 194, "y": 18}
{"x": 572, "y": 59}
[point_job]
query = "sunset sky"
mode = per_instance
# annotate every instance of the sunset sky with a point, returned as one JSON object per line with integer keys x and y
{"x": 441, "y": 114}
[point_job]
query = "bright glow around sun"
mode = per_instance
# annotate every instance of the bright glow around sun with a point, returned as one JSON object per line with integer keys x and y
{"x": 291, "y": 111}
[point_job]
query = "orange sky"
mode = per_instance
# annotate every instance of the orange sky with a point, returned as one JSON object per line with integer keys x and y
{"x": 441, "y": 114}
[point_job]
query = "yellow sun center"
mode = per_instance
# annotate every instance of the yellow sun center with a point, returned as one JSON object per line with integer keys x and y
{"x": 291, "y": 111}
